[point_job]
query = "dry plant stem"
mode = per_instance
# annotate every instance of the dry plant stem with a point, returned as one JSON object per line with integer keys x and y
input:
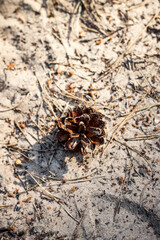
{"x": 132, "y": 43}
{"x": 36, "y": 210}
{"x": 43, "y": 95}
{"x": 75, "y": 233}
{"x": 143, "y": 137}
{"x": 58, "y": 200}
{"x": 42, "y": 130}
{"x": 136, "y": 6}
{"x": 25, "y": 188}
{"x": 29, "y": 189}
{"x": 41, "y": 179}
{"x": 142, "y": 193}
{"x": 122, "y": 122}
{"x": 23, "y": 133}
{"x": 78, "y": 181}
{"x": 43, "y": 190}
{"x": 136, "y": 151}
{"x": 143, "y": 109}
{"x": 25, "y": 156}
{"x": 12, "y": 108}
{"x": 73, "y": 179}
{"x": 116, "y": 210}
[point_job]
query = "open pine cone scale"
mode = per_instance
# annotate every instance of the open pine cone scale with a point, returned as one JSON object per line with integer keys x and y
{"x": 81, "y": 129}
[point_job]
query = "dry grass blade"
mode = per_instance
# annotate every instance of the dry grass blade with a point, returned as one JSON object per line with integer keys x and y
{"x": 58, "y": 200}
{"x": 46, "y": 101}
{"x": 22, "y": 133}
{"x": 75, "y": 233}
{"x": 73, "y": 179}
{"x": 18, "y": 176}
{"x": 143, "y": 137}
{"x": 14, "y": 107}
{"x": 143, "y": 109}
{"x": 117, "y": 209}
{"x": 121, "y": 123}
{"x": 50, "y": 139}
{"x": 142, "y": 193}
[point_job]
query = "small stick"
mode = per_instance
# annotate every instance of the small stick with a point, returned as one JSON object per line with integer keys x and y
{"x": 121, "y": 123}
{"x": 29, "y": 189}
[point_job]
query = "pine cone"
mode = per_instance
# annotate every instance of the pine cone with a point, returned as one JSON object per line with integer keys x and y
{"x": 81, "y": 129}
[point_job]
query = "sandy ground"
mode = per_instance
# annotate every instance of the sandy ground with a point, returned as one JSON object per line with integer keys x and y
{"x": 57, "y": 54}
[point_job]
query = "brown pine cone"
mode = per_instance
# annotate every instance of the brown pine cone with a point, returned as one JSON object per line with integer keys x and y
{"x": 81, "y": 129}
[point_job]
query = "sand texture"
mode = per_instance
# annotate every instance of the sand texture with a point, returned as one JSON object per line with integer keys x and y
{"x": 57, "y": 54}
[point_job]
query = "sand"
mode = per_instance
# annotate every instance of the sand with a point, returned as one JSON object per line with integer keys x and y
{"x": 55, "y": 55}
